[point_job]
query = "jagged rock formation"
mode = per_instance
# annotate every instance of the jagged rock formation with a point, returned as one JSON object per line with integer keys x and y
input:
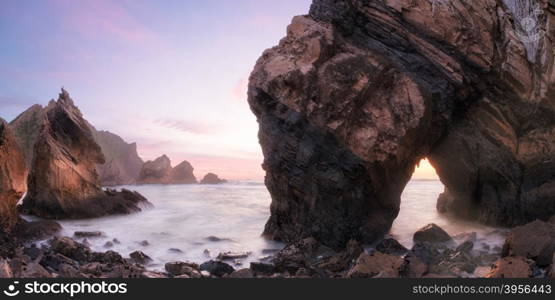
{"x": 160, "y": 171}
{"x": 63, "y": 182}
{"x": 123, "y": 164}
{"x": 212, "y": 178}
{"x": 360, "y": 91}
{"x": 13, "y": 177}
{"x": 27, "y": 127}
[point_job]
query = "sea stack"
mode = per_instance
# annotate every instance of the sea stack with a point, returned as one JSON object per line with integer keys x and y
{"x": 212, "y": 178}
{"x": 63, "y": 182}
{"x": 358, "y": 92}
{"x": 27, "y": 127}
{"x": 160, "y": 171}
{"x": 13, "y": 177}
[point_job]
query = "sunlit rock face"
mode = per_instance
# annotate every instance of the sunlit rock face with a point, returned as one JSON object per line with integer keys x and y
{"x": 160, "y": 171}
{"x": 359, "y": 91}
{"x": 63, "y": 182}
{"x": 13, "y": 177}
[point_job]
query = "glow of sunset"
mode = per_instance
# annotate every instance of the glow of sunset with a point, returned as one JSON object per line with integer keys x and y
{"x": 425, "y": 171}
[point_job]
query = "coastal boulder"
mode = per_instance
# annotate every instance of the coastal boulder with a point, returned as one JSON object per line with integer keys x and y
{"x": 376, "y": 264}
{"x": 13, "y": 177}
{"x": 510, "y": 267}
{"x": 359, "y": 92}
{"x": 432, "y": 233}
{"x": 63, "y": 182}
{"x": 535, "y": 240}
{"x": 212, "y": 178}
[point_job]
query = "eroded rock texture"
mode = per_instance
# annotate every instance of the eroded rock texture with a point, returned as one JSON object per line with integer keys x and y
{"x": 13, "y": 177}
{"x": 160, "y": 171}
{"x": 359, "y": 91}
{"x": 63, "y": 182}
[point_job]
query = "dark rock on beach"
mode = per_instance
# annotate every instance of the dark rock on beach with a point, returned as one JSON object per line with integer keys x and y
{"x": 217, "y": 268}
{"x": 432, "y": 233}
{"x": 358, "y": 92}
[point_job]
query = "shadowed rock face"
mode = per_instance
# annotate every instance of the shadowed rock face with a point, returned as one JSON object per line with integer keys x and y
{"x": 63, "y": 182}
{"x": 160, "y": 171}
{"x": 359, "y": 91}
{"x": 13, "y": 177}
{"x": 27, "y": 127}
{"x": 123, "y": 164}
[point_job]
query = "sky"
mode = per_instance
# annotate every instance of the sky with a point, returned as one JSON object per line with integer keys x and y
{"x": 169, "y": 75}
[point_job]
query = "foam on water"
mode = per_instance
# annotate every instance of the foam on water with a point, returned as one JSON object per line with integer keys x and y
{"x": 184, "y": 216}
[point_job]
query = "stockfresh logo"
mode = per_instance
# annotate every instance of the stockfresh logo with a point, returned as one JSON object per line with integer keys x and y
{"x": 12, "y": 290}
{"x": 70, "y": 289}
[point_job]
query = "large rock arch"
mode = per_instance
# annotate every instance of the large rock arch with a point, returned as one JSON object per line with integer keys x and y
{"x": 359, "y": 91}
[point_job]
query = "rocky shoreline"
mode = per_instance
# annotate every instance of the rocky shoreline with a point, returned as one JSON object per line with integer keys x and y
{"x": 528, "y": 252}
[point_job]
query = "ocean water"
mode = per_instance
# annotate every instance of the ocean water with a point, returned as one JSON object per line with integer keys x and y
{"x": 184, "y": 217}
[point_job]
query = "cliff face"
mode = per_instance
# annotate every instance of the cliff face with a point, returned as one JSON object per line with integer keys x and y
{"x": 63, "y": 182}
{"x": 13, "y": 177}
{"x": 160, "y": 171}
{"x": 123, "y": 163}
{"x": 359, "y": 91}
{"x": 27, "y": 127}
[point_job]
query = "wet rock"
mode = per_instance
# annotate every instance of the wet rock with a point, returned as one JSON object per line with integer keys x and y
{"x": 466, "y": 246}
{"x": 217, "y": 239}
{"x": 70, "y": 248}
{"x": 33, "y": 252}
{"x": 534, "y": 240}
{"x": 13, "y": 177}
{"x": 242, "y": 273}
{"x": 212, "y": 178}
{"x": 413, "y": 267}
{"x": 116, "y": 241}
{"x": 108, "y": 245}
{"x": 229, "y": 255}
{"x": 175, "y": 250}
{"x": 427, "y": 252}
{"x": 431, "y": 233}
{"x": 144, "y": 243}
{"x": 108, "y": 257}
{"x": 56, "y": 260}
{"x": 263, "y": 268}
{"x": 88, "y": 234}
{"x": 140, "y": 257}
{"x": 36, "y": 230}
{"x": 217, "y": 268}
{"x": 183, "y": 268}
{"x": 270, "y": 251}
{"x": 391, "y": 246}
{"x": 301, "y": 254}
{"x": 510, "y": 267}
{"x": 376, "y": 265}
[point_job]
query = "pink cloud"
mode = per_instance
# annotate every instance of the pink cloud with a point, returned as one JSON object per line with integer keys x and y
{"x": 187, "y": 126}
{"x": 102, "y": 18}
